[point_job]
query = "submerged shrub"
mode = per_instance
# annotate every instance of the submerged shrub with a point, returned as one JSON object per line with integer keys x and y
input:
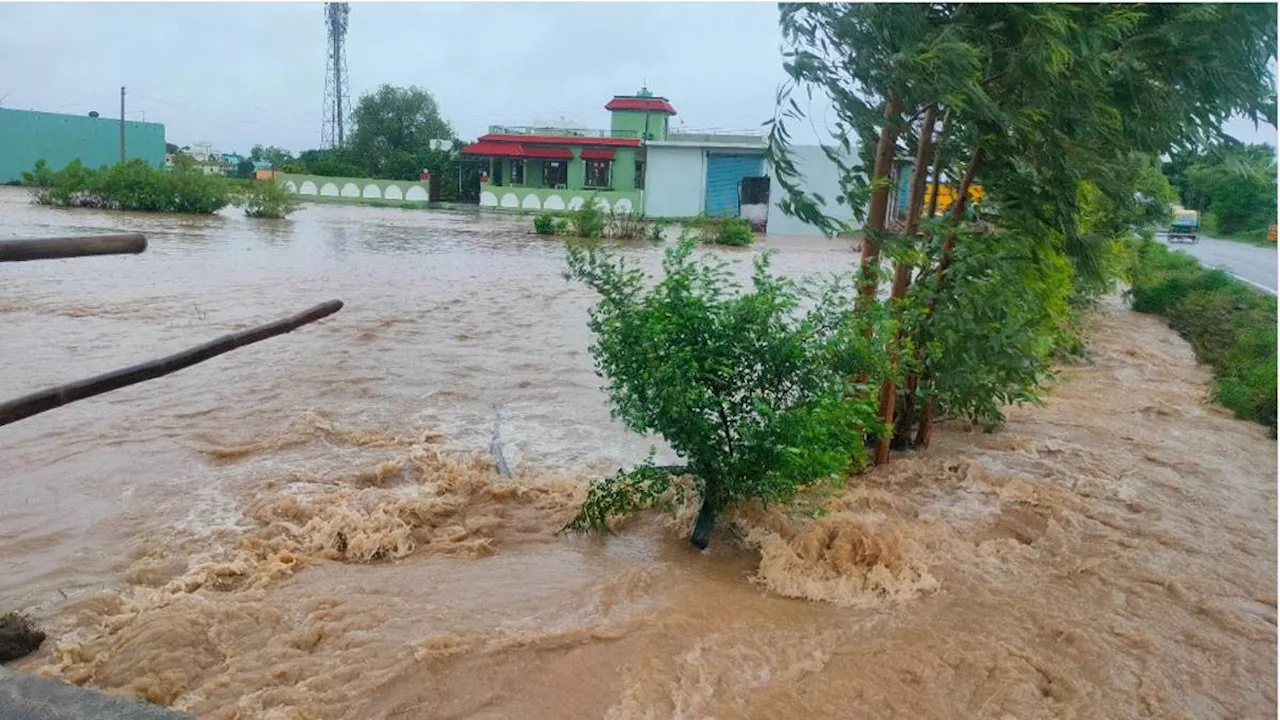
{"x": 588, "y": 221}
{"x": 267, "y": 199}
{"x": 734, "y": 232}
{"x": 544, "y": 224}
{"x": 751, "y": 389}
{"x": 132, "y": 185}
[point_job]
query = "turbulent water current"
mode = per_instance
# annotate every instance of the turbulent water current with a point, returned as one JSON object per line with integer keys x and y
{"x": 312, "y": 526}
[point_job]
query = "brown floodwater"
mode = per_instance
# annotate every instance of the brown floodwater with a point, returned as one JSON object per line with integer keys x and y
{"x": 312, "y": 527}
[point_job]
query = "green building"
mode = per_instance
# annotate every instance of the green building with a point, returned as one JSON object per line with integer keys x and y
{"x": 27, "y": 136}
{"x": 558, "y": 169}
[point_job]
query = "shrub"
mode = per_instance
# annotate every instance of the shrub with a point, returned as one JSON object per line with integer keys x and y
{"x": 626, "y": 226}
{"x": 588, "y": 221}
{"x": 753, "y": 392}
{"x": 544, "y": 224}
{"x": 267, "y": 199}
{"x": 133, "y": 185}
{"x": 734, "y": 232}
{"x": 1230, "y": 326}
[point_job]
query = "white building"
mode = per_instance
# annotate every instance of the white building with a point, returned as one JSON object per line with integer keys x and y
{"x": 721, "y": 174}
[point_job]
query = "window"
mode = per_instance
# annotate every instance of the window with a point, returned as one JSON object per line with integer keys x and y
{"x": 517, "y": 172}
{"x": 639, "y": 174}
{"x": 555, "y": 174}
{"x": 598, "y": 173}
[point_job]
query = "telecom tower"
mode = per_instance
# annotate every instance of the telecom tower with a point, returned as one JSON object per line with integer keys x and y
{"x": 336, "y": 93}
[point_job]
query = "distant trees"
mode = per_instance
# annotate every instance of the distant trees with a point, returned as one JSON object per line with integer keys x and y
{"x": 392, "y": 134}
{"x": 1232, "y": 183}
{"x": 278, "y": 157}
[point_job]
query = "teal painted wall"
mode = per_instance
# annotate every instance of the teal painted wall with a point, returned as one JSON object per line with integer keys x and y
{"x": 27, "y": 136}
{"x": 624, "y": 169}
{"x": 577, "y": 170}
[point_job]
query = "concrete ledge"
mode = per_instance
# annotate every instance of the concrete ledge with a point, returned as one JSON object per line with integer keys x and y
{"x": 27, "y": 697}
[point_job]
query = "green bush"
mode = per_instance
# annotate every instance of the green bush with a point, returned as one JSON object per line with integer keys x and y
{"x": 749, "y": 388}
{"x": 133, "y": 185}
{"x": 588, "y": 221}
{"x": 734, "y": 232}
{"x": 267, "y": 199}
{"x": 1230, "y": 326}
{"x": 544, "y": 224}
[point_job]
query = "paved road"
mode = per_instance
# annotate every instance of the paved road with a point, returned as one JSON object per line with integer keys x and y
{"x": 1253, "y": 264}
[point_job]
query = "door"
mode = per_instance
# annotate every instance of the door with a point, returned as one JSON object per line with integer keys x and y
{"x": 724, "y": 174}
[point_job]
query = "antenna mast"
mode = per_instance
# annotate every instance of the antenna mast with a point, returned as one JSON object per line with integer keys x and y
{"x": 336, "y": 92}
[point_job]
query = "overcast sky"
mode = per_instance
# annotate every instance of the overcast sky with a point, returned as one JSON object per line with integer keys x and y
{"x": 239, "y": 74}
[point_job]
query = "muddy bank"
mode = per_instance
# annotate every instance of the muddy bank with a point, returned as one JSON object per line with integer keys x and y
{"x": 1109, "y": 555}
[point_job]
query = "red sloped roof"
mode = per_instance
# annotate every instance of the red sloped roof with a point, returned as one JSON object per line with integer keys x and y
{"x": 654, "y": 104}
{"x": 558, "y": 140}
{"x": 494, "y": 149}
{"x": 594, "y": 154}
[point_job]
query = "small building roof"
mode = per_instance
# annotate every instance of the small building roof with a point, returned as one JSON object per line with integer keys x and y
{"x": 640, "y": 103}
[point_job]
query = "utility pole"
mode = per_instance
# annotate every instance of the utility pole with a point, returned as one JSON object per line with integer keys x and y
{"x": 122, "y": 124}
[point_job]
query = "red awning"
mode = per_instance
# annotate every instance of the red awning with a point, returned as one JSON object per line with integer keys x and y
{"x": 649, "y": 104}
{"x": 593, "y": 154}
{"x": 551, "y": 153}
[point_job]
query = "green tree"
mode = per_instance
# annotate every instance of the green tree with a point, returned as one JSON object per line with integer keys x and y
{"x": 278, "y": 157}
{"x": 244, "y": 169}
{"x": 393, "y": 130}
{"x": 753, "y": 391}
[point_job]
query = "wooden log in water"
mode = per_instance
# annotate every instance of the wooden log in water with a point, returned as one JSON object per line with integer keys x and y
{"x": 38, "y": 402}
{"x": 69, "y": 247}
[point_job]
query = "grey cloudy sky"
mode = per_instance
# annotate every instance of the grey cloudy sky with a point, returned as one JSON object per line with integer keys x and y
{"x": 245, "y": 73}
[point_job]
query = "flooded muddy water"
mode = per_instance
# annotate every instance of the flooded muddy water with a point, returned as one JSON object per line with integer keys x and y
{"x": 311, "y": 527}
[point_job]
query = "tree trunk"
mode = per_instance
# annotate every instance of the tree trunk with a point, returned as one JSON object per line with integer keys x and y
{"x": 908, "y": 415}
{"x": 706, "y": 522}
{"x": 879, "y": 205}
{"x": 902, "y": 274}
{"x": 944, "y": 264}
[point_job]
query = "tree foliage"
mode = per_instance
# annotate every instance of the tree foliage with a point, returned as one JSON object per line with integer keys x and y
{"x": 750, "y": 387}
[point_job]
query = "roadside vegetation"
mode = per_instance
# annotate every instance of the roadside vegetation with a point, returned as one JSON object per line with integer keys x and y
{"x": 133, "y": 185}
{"x": 1231, "y": 326}
{"x": 1058, "y": 112}
{"x": 732, "y": 232}
{"x": 1234, "y": 187}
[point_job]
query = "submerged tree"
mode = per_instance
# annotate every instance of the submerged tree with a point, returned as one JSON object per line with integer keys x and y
{"x": 749, "y": 388}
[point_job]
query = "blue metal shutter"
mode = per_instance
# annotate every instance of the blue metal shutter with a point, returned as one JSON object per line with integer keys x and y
{"x": 724, "y": 172}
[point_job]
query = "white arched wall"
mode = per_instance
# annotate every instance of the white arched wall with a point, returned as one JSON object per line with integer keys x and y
{"x": 393, "y": 192}
{"x": 307, "y": 188}
{"x": 416, "y": 193}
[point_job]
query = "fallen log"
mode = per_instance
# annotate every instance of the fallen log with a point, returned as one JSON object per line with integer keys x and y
{"x": 68, "y": 247}
{"x": 38, "y": 402}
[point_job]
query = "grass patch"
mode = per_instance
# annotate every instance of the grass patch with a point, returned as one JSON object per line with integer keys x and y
{"x": 1231, "y": 326}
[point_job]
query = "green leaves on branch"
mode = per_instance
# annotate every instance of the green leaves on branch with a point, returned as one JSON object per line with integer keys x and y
{"x": 751, "y": 387}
